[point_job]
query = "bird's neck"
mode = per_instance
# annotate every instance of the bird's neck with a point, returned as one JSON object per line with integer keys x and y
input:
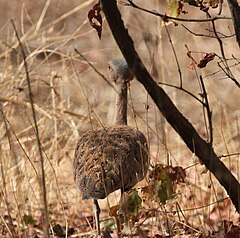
{"x": 121, "y": 105}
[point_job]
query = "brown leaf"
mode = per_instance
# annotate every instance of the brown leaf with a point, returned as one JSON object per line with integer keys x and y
{"x": 176, "y": 174}
{"x": 206, "y": 59}
{"x": 202, "y": 4}
{"x": 212, "y": 3}
{"x": 113, "y": 211}
{"x": 95, "y": 18}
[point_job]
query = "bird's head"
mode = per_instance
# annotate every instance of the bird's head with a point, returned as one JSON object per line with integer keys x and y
{"x": 119, "y": 72}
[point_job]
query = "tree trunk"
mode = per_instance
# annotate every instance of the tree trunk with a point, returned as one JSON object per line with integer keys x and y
{"x": 182, "y": 126}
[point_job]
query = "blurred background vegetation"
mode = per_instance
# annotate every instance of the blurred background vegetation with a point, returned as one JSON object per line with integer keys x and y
{"x": 70, "y": 98}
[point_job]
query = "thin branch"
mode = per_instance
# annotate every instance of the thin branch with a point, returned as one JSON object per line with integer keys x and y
{"x": 42, "y": 179}
{"x": 175, "y": 56}
{"x": 166, "y": 17}
{"x": 6, "y": 121}
{"x": 220, "y": 2}
{"x": 184, "y": 90}
{"x": 228, "y": 155}
{"x": 229, "y": 72}
{"x": 221, "y": 69}
{"x": 4, "y": 191}
{"x": 94, "y": 68}
{"x": 225, "y": 70}
{"x": 209, "y": 112}
{"x": 208, "y": 36}
{"x": 90, "y": 108}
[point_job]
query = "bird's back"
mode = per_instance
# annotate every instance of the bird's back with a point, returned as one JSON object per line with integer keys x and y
{"x": 108, "y": 159}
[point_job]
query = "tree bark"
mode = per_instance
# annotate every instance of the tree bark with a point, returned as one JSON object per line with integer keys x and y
{"x": 182, "y": 126}
{"x": 235, "y": 12}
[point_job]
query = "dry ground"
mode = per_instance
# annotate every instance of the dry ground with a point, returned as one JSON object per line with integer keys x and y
{"x": 71, "y": 98}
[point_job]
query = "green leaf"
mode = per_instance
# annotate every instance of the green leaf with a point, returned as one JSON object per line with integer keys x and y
{"x": 163, "y": 181}
{"x": 28, "y": 219}
{"x": 174, "y": 8}
{"x": 165, "y": 191}
{"x": 135, "y": 203}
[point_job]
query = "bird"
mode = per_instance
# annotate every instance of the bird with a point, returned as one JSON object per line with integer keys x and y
{"x": 110, "y": 158}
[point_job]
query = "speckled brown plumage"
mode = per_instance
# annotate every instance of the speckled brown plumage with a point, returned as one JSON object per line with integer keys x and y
{"x": 108, "y": 159}
{"x": 115, "y": 157}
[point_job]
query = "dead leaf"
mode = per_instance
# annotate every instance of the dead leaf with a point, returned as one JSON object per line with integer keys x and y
{"x": 211, "y": 3}
{"x": 202, "y": 3}
{"x": 206, "y": 59}
{"x": 95, "y": 18}
{"x": 113, "y": 211}
{"x": 163, "y": 181}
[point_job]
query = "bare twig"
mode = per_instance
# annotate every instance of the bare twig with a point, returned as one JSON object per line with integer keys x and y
{"x": 40, "y": 110}
{"x": 175, "y": 56}
{"x": 220, "y": 2}
{"x": 90, "y": 109}
{"x": 208, "y": 36}
{"x": 228, "y": 70}
{"x": 9, "y": 226}
{"x": 94, "y": 68}
{"x": 228, "y": 155}
{"x": 166, "y": 17}
{"x": 184, "y": 90}
{"x": 6, "y": 121}
{"x": 229, "y": 75}
{"x": 42, "y": 176}
{"x": 209, "y": 112}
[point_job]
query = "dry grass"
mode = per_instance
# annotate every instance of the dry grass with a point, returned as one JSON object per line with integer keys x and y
{"x": 70, "y": 98}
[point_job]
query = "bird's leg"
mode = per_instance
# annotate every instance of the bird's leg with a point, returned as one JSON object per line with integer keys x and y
{"x": 96, "y": 211}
